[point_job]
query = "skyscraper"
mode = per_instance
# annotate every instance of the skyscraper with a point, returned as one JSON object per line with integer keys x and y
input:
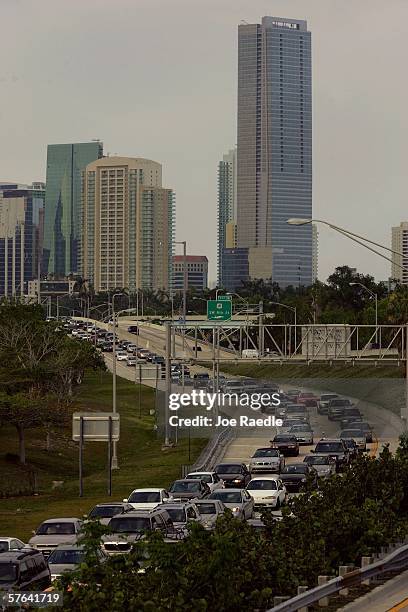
{"x": 274, "y": 159}
{"x": 21, "y": 218}
{"x": 227, "y": 206}
{"x": 399, "y": 243}
{"x": 315, "y": 252}
{"x": 127, "y": 225}
{"x": 65, "y": 163}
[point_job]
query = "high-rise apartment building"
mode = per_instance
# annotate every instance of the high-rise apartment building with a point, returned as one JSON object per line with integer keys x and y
{"x": 62, "y": 229}
{"x": 315, "y": 252}
{"x": 197, "y": 272}
{"x": 21, "y": 220}
{"x": 399, "y": 244}
{"x": 274, "y": 158}
{"x": 127, "y": 225}
{"x": 227, "y": 206}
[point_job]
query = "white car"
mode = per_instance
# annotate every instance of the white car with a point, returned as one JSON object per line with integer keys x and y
{"x": 147, "y": 499}
{"x": 210, "y": 478}
{"x": 121, "y": 355}
{"x": 267, "y": 491}
{"x": 7, "y": 544}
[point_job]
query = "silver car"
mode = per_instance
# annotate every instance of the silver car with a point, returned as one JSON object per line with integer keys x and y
{"x": 239, "y": 501}
{"x": 266, "y": 460}
{"x": 67, "y": 557}
{"x": 303, "y": 433}
{"x": 210, "y": 510}
{"x": 357, "y": 435}
{"x": 104, "y": 512}
{"x": 324, "y": 465}
{"x": 53, "y": 532}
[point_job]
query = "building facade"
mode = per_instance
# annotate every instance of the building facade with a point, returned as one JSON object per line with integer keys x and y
{"x": 127, "y": 225}
{"x": 274, "y": 158}
{"x": 227, "y": 207}
{"x": 399, "y": 244}
{"x": 235, "y": 268}
{"x": 21, "y": 219}
{"x": 197, "y": 272}
{"x": 62, "y": 223}
{"x": 315, "y": 252}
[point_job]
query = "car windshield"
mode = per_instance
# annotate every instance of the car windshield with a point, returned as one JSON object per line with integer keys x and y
{"x": 329, "y": 447}
{"x": 228, "y": 469}
{"x": 284, "y": 439}
{"x": 350, "y": 433}
{"x": 327, "y": 397}
{"x": 4, "y": 546}
{"x": 129, "y": 525}
{"x": 56, "y": 529}
{"x": 266, "y": 452}
{"x": 183, "y": 486}
{"x": 303, "y": 427}
{"x": 66, "y": 557}
{"x": 204, "y": 477}
{"x": 8, "y": 572}
{"x": 295, "y": 469}
{"x": 227, "y": 497}
{"x": 105, "y": 511}
{"x": 144, "y": 497}
{"x": 340, "y": 402}
{"x": 177, "y": 515}
{"x": 206, "y": 508}
{"x": 259, "y": 485}
{"x": 311, "y": 460}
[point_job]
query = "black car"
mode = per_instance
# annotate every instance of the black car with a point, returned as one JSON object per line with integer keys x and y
{"x": 350, "y": 415}
{"x": 189, "y": 488}
{"x": 337, "y": 408}
{"x": 133, "y": 329}
{"x": 295, "y": 476}
{"x": 235, "y": 475}
{"x": 287, "y": 444}
{"x": 24, "y": 570}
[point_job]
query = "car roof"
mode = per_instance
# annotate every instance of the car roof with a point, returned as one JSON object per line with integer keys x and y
{"x": 59, "y": 520}
{"x": 266, "y": 477}
{"x": 16, "y": 555}
{"x": 206, "y": 473}
{"x": 70, "y": 547}
{"x": 228, "y": 490}
{"x": 148, "y": 490}
{"x": 119, "y": 503}
{"x": 330, "y": 440}
{"x": 8, "y": 538}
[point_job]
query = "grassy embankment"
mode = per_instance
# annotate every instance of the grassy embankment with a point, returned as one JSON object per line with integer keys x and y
{"x": 142, "y": 461}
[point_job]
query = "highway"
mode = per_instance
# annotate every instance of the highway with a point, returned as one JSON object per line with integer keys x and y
{"x": 389, "y": 597}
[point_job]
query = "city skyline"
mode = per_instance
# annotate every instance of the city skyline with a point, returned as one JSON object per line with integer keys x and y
{"x": 60, "y": 103}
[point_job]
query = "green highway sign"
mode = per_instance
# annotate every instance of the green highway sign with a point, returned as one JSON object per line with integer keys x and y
{"x": 222, "y": 298}
{"x": 219, "y": 310}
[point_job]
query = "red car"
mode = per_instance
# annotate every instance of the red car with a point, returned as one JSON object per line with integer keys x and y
{"x": 308, "y": 399}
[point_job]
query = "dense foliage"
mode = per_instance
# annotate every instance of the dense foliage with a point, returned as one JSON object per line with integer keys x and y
{"x": 235, "y": 567}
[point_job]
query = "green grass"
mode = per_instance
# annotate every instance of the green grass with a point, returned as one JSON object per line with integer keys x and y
{"x": 142, "y": 460}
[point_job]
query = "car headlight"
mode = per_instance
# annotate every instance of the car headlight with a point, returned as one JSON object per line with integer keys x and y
{"x": 270, "y": 496}
{"x": 237, "y": 480}
{"x": 237, "y": 509}
{"x": 303, "y": 480}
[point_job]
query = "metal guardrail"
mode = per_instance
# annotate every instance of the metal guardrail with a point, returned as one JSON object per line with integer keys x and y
{"x": 397, "y": 560}
{"x": 212, "y": 452}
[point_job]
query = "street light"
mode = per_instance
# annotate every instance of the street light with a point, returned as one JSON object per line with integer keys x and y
{"x": 184, "y": 243}
{"x": 375, "y": 296}
{"x": 294, "y": 310}
{"x": 114, "y": 454}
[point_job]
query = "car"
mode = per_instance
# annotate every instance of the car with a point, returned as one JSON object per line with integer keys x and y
{"x": 323, "y": 464}
{"x": 239, "y": 501}
{"x": 357, "y": 435}
{"x": 267, "y": 492}
{"x": 182, "y": 513}
{"x": 266, "y": 460}
{"x": 158, "y": 359}
{"x": 350, "y": 415}
{"x": 294, "y": 476}
{"x": 293, "y": 410}
{"x": 133, "y": 329}
{"x": 287, "y": 444}
{"x": 293, "y": 394}
{"x": 131, "y": 361}
{"x": 308, "y": 399}
{"x": 212, "y": 479}
{"x": 56, "y": 531}
{"x": 235, "y": 475}
{"x": 67, "y": 557}
{"x": 302, "y": 432}
{"x": 323, "y": 403}
{"x": 336, "y": 408}
{"x": 189, "y": 489}
{"x": 7, "y": 544}
{"x": 24, "y": 570}
{"x": 210, "y": 510}
{"x": 352, "y": 448}
{"x": 104, "y": 512}
{"x": 147, "y": 499}
{"x": 131, "y": 348}
{"x": 335, "y": 448}
{"x": 365, "y": 427}
{"x": 121, "y": 355}
{"x": 131, "y": 527}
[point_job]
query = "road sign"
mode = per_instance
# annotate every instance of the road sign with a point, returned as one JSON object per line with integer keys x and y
{"x": 223, "y": 298}
{"x": 95, "y": 426}
{"x": 219, "y": 310}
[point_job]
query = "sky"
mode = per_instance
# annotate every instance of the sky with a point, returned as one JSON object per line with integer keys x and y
{"x": 158, "y": 79}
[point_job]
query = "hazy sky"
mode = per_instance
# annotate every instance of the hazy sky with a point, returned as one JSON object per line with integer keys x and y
{"x": 158, "y": 78}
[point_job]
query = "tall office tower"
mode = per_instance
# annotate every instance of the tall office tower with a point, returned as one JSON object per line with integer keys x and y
{"x": 65, "y": 163}
{"x": 315, "y": 252}
{"x": 399, "y": 243}
{"x": 227, "y": 206}
{"x": 197, "y": 272}
{"x": 128, "y": 225}
{"x": 274, "y": 161}
{"x": 21, "y": 218}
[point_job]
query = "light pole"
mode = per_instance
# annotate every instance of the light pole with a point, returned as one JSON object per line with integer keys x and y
{"x": 114, "y": 454}
{"x": 185, "y": 279}
{"x": 293, "y": 309}
{"x": 231, "y": 293}
{"x": 375, "y": 296}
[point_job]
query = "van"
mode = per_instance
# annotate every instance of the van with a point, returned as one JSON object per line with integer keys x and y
{"x": 24, "y": 570}
{"x": 250, "y": 354}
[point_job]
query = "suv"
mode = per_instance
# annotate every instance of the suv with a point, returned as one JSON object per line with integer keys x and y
{"x": 335, "y": 448}
{"x": 55, "y": 531}
{"x": 337, "y": 407}
{"x": 24, "y": 570}
{"x": 130, "y": 527}
{"x": 325, "y": 399}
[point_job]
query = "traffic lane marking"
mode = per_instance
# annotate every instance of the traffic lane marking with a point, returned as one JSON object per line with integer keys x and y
{"x": 400, "y": 606}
